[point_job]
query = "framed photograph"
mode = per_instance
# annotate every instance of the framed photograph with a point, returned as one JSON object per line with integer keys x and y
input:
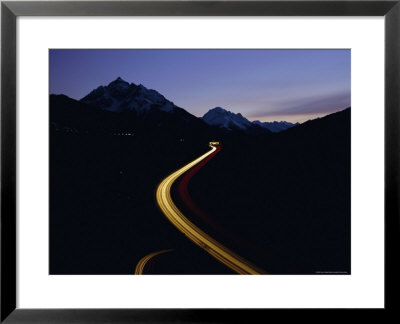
{"x": 198, "y": 161}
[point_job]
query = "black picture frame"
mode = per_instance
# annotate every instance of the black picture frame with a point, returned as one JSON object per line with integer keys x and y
{"x": 10, "y": 10}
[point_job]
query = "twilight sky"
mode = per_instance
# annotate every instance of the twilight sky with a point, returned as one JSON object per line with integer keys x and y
{"x": 291, "y": 85}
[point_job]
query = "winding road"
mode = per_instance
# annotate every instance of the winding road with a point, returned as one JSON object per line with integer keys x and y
{"x": 195, "y": 234}
{"x": 143, "y": 261}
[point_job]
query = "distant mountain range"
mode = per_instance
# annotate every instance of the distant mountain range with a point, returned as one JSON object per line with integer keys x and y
{"x": 129, "y": 107}
{"x": 231, "y": 121}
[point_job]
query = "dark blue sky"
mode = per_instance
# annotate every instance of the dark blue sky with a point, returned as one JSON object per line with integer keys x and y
{"x": 292, "y": 85}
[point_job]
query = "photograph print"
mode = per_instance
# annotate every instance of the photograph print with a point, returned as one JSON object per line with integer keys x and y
{"x": 200, "y": 161}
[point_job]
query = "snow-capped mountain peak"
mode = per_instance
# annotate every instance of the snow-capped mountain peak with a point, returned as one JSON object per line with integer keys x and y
{"x": 120, "y": 95}
{"x": 225, "y": 119}
{"x": 230, "y": 121}
{"x": 119, "y": 83}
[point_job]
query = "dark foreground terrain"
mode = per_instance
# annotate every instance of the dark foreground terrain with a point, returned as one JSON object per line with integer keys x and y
{"x": 280, "y": 200}
{"x": 283, "y": 202}
{"x": 103, "y": 214}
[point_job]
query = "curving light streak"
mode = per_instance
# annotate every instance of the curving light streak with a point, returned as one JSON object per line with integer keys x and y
{"x": 175, "y": 216}
{"x": 143, "y": 261}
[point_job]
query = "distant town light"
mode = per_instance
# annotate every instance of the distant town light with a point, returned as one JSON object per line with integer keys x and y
{"x": 123, "y": 134}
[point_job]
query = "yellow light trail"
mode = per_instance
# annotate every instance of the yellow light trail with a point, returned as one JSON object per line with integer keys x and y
{"x": 175, "y": 216}
{"x": 143, "y": 261}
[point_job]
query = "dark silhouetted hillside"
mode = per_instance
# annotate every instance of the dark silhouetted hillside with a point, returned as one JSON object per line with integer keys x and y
{"x": 285, "y": 198}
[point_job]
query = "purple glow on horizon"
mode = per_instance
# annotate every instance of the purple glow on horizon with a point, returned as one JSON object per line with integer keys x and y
{"x": 292, "y": 85}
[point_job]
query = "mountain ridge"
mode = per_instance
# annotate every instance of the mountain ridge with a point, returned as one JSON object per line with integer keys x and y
{"x": 226, "y": 119}
{"x": 123, "y": 105}
{"x": 120, "y": 95}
